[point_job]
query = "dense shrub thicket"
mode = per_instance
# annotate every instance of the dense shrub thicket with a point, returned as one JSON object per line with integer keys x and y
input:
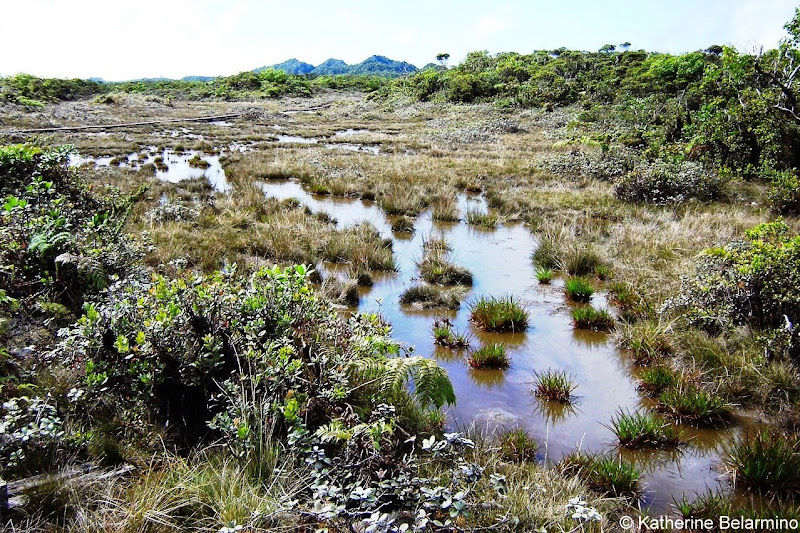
{"x": 755, "y": 281}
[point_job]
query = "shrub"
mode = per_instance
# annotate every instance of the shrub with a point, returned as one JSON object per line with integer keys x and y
{"x": 587, "y": 317}
{"x": 554, "y": 385}
{"x": 204, "y": 353}
{"x": 498, "y": 314}
{"x": 643, "y": 429}
{"x": 754, "y": 281}
{"x": 489, "y": 356}
{"x": 663, "y": 183}
{"x": 767, "y": 461}
{"x": 517, "y": 446}
{"x": 784, "y": 197}
{"x": 578, "y": 289}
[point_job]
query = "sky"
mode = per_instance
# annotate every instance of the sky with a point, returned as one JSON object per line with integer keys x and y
{"x": 119, "y": 40}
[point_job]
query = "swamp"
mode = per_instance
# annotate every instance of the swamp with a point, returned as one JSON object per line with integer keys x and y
{"x": 524, "y": 293}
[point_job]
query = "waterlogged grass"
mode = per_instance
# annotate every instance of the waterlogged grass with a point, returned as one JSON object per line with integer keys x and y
{"x": 578, "y": 289}
{"x": 691, "y": 405}
{"x": 655, "y": 380}
{"x": 429, "y": 297}
{"x": 476, "y": 217}
{"x": 489, "y": 356}
{"x": 554, "y": 385}
{"x": 445, "y": 335}
{"x": 605, "y": 474}
{"x": 644, "y": 429}
{"x": 517, "y": 445}
{"x": 647, "y": 341}
{"x": 403, "y": 225}
{"x": 767, "y": 461}
{"x": 544, "y": 275}
{"x": 436, "y": 267}
{"x": 588, "y": 317}
{"x": 498, "y": 314}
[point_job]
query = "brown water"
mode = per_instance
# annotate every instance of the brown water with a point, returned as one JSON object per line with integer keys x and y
{"x": 500, "y": 261}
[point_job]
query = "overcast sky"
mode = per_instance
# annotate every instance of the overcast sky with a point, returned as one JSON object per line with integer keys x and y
{"x": 120, "y": 39}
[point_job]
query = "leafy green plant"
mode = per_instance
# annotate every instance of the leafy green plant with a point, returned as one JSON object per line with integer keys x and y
{"x": 604, "y": 474}
{"x": 498, "y": 314}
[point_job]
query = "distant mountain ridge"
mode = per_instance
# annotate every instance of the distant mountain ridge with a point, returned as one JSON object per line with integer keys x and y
{"x": 374, "y": 65}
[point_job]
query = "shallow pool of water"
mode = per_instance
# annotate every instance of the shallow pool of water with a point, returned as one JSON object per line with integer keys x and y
{"x": 491, "y": 399}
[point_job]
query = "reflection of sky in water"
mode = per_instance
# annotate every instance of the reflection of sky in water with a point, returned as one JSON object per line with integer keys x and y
{"x": 500, "y": 261}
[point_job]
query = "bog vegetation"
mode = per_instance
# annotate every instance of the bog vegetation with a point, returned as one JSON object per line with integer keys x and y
{"x": 192, "y": 333}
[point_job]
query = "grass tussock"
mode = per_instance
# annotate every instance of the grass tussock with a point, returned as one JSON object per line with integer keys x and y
{"x": 644, "y": 430}
{"x": 436, "y": 267}
{"x": 489, "y": 356}
{"x": 690, "y": 405}
{"x": 578, "y": 289}
{"x": 445, "y": 335}
{"x": 517, "y": 445}
{"x": 555, "y": 385}
{"x": 498, "y": 314}
{"x": 544, "y": 275}
{"x": 587, "y": 317}
{"x": 476, "y": 217}
{"x": 605, "y": 474}
{"x": 768, "y": 462}
{"x": 428, "y": 297}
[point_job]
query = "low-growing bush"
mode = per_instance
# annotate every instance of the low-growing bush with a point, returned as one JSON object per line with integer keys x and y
{"x": 754, "y": 281}
{"x": 784, "y": 196}
{"x": 663, "y": 183}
